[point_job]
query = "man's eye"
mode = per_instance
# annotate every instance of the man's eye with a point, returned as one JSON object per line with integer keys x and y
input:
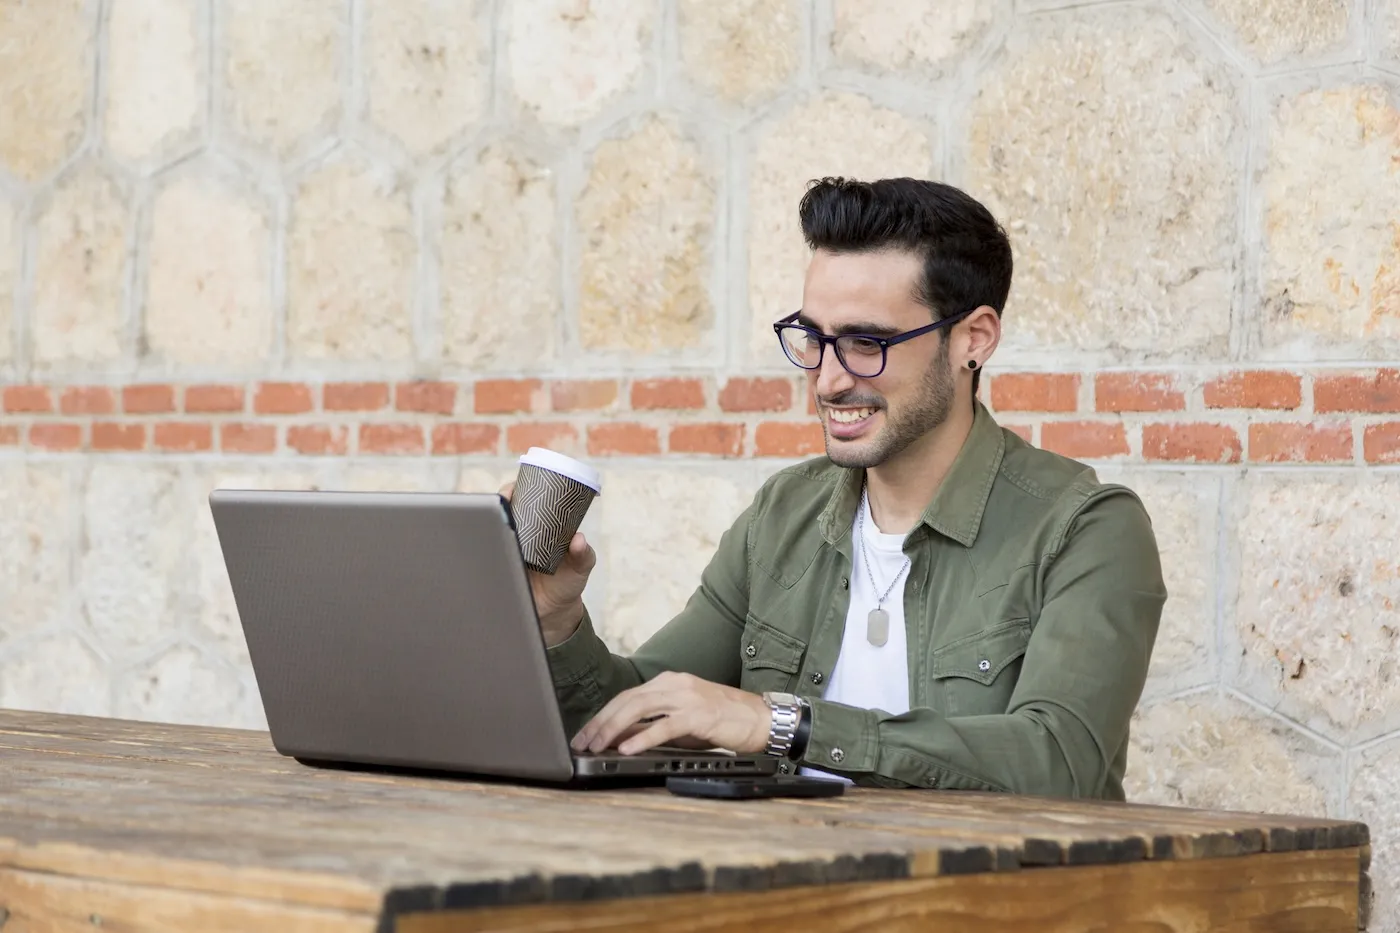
{"x": 863, "y": 345}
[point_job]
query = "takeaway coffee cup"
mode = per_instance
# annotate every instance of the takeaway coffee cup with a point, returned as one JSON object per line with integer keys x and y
{"x": 552, "y": 494}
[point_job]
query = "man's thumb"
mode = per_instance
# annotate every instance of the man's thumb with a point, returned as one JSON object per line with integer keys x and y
{"x": 582, "y": 557}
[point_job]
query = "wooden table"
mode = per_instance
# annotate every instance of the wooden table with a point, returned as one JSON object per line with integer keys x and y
{"x": 140, "y": 827}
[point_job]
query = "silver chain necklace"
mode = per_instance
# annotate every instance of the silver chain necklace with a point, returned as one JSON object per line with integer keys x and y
{"x": 877, "y": 623}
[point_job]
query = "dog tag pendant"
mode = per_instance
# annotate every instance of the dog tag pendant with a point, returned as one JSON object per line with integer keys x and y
{"x": 877, "y": 627}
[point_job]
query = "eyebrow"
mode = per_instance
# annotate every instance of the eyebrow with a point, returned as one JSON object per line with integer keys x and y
{"x": 869, "y": 328}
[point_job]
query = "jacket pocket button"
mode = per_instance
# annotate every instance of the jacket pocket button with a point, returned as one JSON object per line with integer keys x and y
{"x": 845, "y": 583}
{"x": 984, "y": 665}
{"x": 837, "y": 755}
{"x": 816, "y": 677}
{"x": 750, "y": 651}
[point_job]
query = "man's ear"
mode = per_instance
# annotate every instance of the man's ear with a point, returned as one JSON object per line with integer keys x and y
{"x": 980, "y": 333}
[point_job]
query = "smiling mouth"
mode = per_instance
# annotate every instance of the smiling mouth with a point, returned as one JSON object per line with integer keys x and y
{"x": 850, "y": 415}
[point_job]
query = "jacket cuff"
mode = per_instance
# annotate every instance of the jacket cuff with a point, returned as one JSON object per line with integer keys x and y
{"x": 579, "y": 657}
{"x": 844, "y": 738}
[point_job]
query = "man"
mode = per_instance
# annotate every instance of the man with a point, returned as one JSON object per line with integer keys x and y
{"x": 934, "y": 603}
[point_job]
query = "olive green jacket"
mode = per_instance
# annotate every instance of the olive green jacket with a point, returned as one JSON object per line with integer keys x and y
{"x": 1032, "y": 605}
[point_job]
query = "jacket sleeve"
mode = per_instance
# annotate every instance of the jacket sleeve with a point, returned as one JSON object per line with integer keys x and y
{"x": 703, "y": 639}
{"x": 1082, "y": 675}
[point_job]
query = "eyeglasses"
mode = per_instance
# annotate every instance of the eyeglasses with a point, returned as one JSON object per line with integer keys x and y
{"x": 862, "y": 355}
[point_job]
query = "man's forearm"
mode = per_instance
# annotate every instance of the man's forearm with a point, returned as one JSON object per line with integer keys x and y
{"x": 587, "y": 675}
{"x": 1036, "y": 750}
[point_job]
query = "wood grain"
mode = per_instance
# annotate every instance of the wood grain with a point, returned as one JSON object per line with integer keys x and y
{"x": 1293, "y": 891}
{"x": 44, "y": 903}
{"x": 219, "y": 814}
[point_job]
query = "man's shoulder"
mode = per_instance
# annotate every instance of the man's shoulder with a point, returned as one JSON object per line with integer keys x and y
{"x": 1042, "y": 480}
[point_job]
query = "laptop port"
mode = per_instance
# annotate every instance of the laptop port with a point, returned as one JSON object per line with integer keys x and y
{"x": 659, "y": 766}
{"x": 609, "y": 767}
{"x": 675, "y": 766}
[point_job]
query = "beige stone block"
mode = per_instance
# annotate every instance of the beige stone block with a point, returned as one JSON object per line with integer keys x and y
{"x": 1271, "y": 31}
{"x": 428, "y": 68}
{"x": 36, "y": 512}
{"x": 132, "y": 559}
{"x": 281, "y": 69}
{"x": 56, "y": 674}
{"x": 1374, "y": 799}
{"x": 352, "y": 253}
{"x": 1184, "y": 509}
{"x": 485, "y": 478}
{"x": 1213, "y": 751}
{"x": 500, "y": 263}
{"x": 1388, "y": 34}
{"x": 80, "y": 270}
{"x": 156, "y": 80}
{"x": 9, "y": 276}
{"x": 1331, "y": 268}
{"x": 182, "y": 686}
{"x": 742, "y": 50}
{"x": 208, "y": 288}
{"x": 646, "y": 221}
{"x": 835, "y": 134}
{"x": 567, "y": 59}
{"x": 896, "y": 35}
{"x": 653, "y": 543}
{"x": 397, "y": 477}
{"x": 1314, "y": 628}
{"x": 45, "y": 72}
{"x": 219, "y": 626}
{"x": 1110, "y": 148}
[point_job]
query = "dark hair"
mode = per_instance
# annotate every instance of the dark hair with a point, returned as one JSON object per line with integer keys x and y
{"x": 965, "y": 252}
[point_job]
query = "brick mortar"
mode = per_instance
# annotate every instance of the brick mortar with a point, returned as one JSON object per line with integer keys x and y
{"x": 608, "y": 401}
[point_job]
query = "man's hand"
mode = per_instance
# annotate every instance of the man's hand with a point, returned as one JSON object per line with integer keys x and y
{"x": 559, "y": 598}
{"x": 679, "y": 710}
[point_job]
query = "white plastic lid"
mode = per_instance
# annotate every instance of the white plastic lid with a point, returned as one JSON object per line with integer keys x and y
{"x": 547, "y": 459}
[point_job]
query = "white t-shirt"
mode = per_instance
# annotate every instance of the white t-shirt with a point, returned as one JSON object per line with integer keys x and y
{"x": 865, "y": 675}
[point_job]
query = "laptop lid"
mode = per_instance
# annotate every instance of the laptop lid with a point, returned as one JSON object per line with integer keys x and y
{"x": 393, "y": 628}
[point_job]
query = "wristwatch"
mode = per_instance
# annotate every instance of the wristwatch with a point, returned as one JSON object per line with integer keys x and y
{"x": 790, "y": 714}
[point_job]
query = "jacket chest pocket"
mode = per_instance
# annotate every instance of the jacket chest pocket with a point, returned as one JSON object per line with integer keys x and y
{"x": 770, "y": 658}
{"x": 975, "y": 675}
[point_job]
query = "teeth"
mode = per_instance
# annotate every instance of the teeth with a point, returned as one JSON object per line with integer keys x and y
{"x": 849, "y": 415}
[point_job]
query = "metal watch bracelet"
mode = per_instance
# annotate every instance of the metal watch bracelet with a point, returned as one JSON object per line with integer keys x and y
{"x": 791, "y": 724}
{"x": 787, "y": 714}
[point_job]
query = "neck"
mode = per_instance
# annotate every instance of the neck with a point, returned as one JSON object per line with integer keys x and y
{"x": 901, "y": 488}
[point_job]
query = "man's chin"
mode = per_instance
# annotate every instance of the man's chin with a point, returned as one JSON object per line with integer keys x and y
{"x": 861, "y": 453}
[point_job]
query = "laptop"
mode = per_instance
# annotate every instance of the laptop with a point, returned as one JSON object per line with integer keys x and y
{"x": 397, "y": 629}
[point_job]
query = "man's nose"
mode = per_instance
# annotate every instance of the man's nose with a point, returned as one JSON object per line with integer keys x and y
{"x": 832, "y": 377}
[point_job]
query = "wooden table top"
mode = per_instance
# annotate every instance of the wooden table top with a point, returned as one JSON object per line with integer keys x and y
{"x": 219, "y": 811}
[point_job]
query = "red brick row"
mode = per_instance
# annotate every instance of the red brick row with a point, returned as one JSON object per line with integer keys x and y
{"x": 1376, "y": 391}
{"x": 721, "y": 439}
{"x": 1169, "y": 441}
{"x": 488, "y": 397}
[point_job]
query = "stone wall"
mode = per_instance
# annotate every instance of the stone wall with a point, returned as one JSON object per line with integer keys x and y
{"x": 372, "y": 244}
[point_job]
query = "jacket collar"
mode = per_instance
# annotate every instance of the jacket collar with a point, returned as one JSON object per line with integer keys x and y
{"x": 956, "y": 509}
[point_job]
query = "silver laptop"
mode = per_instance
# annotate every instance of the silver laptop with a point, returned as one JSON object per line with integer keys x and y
{"x": 397, "y": 629}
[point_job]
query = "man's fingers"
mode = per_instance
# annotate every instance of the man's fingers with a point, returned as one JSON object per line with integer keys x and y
{"x": 626, "y": 709}
{"x": 661, "y": 732}
{"x": 508, "y": 490}
{"x": 610, "y": 725}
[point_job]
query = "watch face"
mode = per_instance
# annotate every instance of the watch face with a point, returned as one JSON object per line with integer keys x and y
{"x": 779, "y": 699}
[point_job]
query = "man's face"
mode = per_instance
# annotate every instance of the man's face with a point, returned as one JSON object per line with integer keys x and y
{"x": 867, "y": 421}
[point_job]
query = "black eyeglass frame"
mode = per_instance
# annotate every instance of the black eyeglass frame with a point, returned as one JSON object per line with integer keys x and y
{"x": 790, "y": 323}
